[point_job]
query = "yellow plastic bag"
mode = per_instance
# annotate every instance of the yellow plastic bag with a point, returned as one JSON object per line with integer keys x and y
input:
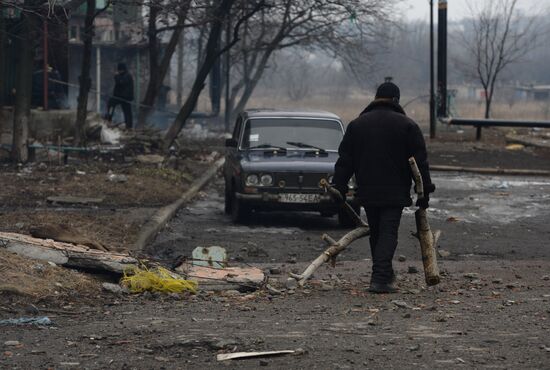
{"x": 159, "y": 279}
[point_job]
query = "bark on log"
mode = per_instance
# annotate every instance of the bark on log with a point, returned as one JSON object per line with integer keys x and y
{"x": 331, "y": 252}
{"x": 69, "y": 255}
{"x": 335, "y": 247}
{"x": 428, "y": 239}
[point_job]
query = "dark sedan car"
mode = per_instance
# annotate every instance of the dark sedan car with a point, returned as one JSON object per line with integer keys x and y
{"x": 276, "y": 160}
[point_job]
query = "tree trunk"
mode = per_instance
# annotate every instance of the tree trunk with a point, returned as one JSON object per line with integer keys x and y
{"x": 211, "y": 55}
{"x": 156, "y": 76}
{"x": 179, "y": 73}
{"x": 23, "y": 83}
{"x": 84, "y": 80}
{"x": 2, "y": 64}
{"x": 148, "y": 99}
{"x": 251, "y": 83}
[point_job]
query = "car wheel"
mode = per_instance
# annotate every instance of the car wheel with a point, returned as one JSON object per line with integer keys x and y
{"x": 240, "y": 213}
{"x": 227, "y": 199}
{"x": 345, "y": 220}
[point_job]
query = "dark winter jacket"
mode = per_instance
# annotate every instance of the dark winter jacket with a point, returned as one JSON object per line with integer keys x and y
{"x": 376, "y": 148}
{"x": 124, "y": 86}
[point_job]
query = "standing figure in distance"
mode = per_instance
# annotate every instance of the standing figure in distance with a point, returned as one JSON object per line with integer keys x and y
{"x": 123, "y": 95}
{"x": 376, "y": 148}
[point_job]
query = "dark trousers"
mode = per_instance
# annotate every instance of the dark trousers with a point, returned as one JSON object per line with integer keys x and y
{"x": 384, "y": 227}
{"x": 126, "y": 109}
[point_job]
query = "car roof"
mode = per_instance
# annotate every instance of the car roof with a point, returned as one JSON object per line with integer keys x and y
{"x": 270, "y": 113}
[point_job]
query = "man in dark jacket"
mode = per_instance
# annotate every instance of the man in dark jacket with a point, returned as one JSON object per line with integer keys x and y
{"x": 123, "y": 94}
{"x": 376, "y": 149}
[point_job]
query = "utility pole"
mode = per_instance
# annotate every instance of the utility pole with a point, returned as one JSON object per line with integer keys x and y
{"x": 442, "y": 59}
{"x": 432, "y": 90}
{"x": 227, "y": 117}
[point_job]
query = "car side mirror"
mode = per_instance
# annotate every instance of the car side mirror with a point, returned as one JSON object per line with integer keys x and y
{"x": 231, "y": 143}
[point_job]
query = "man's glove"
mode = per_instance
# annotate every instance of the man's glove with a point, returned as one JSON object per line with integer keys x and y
{"x": 423, "y": 203}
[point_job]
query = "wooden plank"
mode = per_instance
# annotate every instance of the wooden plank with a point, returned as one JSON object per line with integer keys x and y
{"x": 69, "y": 199}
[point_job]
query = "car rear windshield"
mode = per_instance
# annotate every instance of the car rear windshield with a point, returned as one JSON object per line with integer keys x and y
{"x": 278, "y": 132}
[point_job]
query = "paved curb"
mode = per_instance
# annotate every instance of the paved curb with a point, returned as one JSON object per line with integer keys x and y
{"x": 150, "y": 230}
{"x": 491, "y": 171}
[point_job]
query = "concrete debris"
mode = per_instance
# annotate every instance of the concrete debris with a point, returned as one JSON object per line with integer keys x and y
{"x": 443, "y": 253}
{"x": 12, "y": 343}
{"x": 275, "y": 271}
{"x": 213, "y": 256}
{"x": 471, "y": 275}
{"x": 401, "y": 258}
{"x": 412, "y": 270}
{"x": 113, "y": 288}
{"x": 41, "y": 320}
{"x": 118, "y": 178}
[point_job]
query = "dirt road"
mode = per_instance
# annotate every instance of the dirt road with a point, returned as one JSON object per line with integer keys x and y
{"x": 491, "y": 310}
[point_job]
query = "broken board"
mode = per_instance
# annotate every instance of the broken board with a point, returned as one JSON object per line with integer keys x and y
{"x": 210, "y": 278}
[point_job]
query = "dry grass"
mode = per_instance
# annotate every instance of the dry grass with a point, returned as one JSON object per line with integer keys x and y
{"x": 28, "y": 279}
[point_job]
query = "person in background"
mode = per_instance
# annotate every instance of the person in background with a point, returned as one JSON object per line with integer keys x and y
{"x": 123, "y": 95}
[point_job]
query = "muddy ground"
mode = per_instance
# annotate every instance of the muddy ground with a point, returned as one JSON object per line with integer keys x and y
{"x": 490, "y": 311}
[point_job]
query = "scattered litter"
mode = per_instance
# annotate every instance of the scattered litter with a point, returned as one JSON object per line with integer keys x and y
{"x": 12, "y": 343}
{"x": 471, "y": 275}
{"x": 515, "y": 147}
{"x": 443, "y": 253}
{"x": 238, "y": 355}
{"x": 81, "y": 173}
{"x": 109, "y": 135}
{"x": 159, "y": 279}
{"x": 401, "y": 304}
{"x": 503, "y": 185}
{"x": 214, "y": 256}
{"x": 453, "y": 219}
{"x": 116, "y": 178}
{"x": 40, "y": 320}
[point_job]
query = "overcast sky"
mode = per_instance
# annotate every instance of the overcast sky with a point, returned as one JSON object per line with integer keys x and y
{"x": 419, "y": 9}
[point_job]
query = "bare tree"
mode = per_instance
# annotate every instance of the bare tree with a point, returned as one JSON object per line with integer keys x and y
{"x": 163, "y": 17}
{"x": 497, "y": 37}
{"x": 23, "y": 80}
{"x": 340, "y": 27}
{"x": 84, "y": 79}
{"x": 212, "y": 53}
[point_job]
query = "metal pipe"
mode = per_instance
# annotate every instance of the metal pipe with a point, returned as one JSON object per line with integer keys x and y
{"x": 496, "y": 123}
{"x": 98, "y": 78}
{"x": 442, "y": 59}
{"x": 432, "y": 87}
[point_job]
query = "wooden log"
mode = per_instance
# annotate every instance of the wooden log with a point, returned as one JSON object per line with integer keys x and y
{"x": 331, "y": 252}
{"x": 428, "y": 239}
{"x": 65, "y": 254}
{"x": 335, "y": 247}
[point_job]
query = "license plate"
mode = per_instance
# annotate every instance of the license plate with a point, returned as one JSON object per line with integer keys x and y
{"x": 299, "y": 198}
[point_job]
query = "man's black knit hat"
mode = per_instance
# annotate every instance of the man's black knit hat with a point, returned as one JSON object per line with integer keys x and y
{"x": 388, "y": 90}
{"x": 122, "y": 67}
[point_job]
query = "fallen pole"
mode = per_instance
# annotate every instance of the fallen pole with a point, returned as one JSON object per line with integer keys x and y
{"x": 164, "y": 214}
{"x": 490, "y": 170}
{"x": 479, "y": 123}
